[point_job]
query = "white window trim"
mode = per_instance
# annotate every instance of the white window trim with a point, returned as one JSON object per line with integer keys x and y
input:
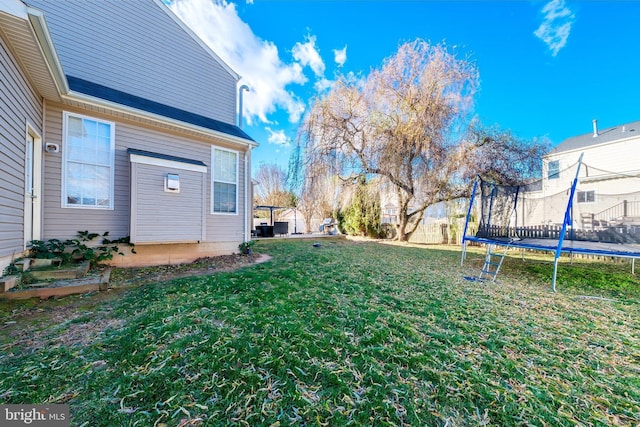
{"x": 585, "y": 191}
{"x": 35, "y": 227}
{"x": 138, "y": 158}
{"x": 63, "y": 195}
{"x": 548, "y": 170}
{"x": 237, "y": 183}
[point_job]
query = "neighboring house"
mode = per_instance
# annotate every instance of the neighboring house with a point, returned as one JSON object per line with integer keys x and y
{"x": 389, "y": 213}
{"x": 390, "y": 210}
{"x": 608, "y": 182}
{"x": 115, "y": 117}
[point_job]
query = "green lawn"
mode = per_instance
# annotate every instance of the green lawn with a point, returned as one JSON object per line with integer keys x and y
{"x": 350, "y": 333}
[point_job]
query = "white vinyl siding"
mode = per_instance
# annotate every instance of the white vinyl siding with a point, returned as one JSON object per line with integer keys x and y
{"x": 88, "y": 168}
{"x": 586, "y": 196}
{"x": 224, "y": 181}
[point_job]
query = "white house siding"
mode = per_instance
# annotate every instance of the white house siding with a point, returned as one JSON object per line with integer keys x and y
{"x": 600, "y": 164}
{"x": 61, "y": 222}
{"x": 19, "y": 104}
{"x": 142, "y": 51}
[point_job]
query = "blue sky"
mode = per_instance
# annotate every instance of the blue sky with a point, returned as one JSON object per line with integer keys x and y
{"x": 547, "y": 68}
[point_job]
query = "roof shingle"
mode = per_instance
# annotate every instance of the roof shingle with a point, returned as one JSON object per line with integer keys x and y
{"x": 611, "y": 134}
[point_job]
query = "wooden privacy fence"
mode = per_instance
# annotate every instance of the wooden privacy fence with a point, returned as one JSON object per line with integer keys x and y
{"x": 442, "y": 233}
{"x": 451, "y": 233}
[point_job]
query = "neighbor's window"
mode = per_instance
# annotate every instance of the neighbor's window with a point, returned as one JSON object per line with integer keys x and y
{"x": 554, "y": 169}
{"x": 225, "y": 181}
{"x": 88, "y": 164}
{"x": 586, "y": 196}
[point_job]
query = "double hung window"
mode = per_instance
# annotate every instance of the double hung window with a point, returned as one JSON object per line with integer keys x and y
{"x": 88, "y": 162}
{"x": 225, "y": 181}
{"x": 553, "y": 171}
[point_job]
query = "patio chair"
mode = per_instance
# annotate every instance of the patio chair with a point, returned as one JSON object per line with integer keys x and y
{"x": 280, "y": 227}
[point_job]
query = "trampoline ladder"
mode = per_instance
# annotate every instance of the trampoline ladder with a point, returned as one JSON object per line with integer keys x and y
{"x": 493, "y": 261}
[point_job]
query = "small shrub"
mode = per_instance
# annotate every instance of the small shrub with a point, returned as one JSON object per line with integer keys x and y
{"x": 10, "y": 270}
{"x": 52, "y": 248}
{"x": 387, "y": 231}
{"x": 245, "y": 247}
{"x": 79, "y": 248}
{"x": 361, "y": 217}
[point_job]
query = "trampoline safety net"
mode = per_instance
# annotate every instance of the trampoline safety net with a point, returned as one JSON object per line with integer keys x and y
{"x": 605, "y": 208}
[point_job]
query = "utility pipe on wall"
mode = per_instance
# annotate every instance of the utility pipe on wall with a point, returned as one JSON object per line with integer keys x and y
{"x": 240, "y": 90}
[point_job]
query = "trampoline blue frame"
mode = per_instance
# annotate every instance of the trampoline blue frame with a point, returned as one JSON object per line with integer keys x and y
{"x": 608, "y": 249}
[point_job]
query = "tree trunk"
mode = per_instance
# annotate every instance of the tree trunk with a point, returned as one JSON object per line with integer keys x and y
{"x": 405, "y": 229}
{"x": 402, "y": 234}
{"x": 401, "y": 227}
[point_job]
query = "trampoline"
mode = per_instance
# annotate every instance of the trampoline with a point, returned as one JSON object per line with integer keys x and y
{"x": 597, "y": 213}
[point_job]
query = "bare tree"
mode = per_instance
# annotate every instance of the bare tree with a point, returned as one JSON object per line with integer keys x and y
{"x": 397, "y": 124}
{"x": 499, "y": 156}
{"x": 318, "y": 197}
{"x": 272, "y": 186}
{"x": 408, "y": 123}
{"x": 307, "y": 203}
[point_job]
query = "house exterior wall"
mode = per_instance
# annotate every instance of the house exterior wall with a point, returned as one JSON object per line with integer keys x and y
{"x": 618, "y": 157}
{"x": 19, "y": 106}
{"x": 163, "y": 216}
{"x": 161, "y": 61}
{"x": 608, "y": 170}
{"x": 222, "y": 233}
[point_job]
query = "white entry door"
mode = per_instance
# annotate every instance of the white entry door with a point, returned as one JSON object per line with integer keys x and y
{"x": 33, "y": 196}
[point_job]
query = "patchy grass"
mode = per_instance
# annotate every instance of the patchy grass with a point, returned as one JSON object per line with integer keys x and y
{"x": 354, "y": 333}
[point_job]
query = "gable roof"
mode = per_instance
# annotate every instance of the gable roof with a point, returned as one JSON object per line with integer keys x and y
{"x": 142, "y": 49}
{"x": 612, "y": 134}
{"x": 108, "y": 94}
{"x": 197, "y": 39}
{"x": 27, "y": 31}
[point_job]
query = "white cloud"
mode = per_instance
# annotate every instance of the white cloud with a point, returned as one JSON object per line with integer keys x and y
{"x": 307, "y": 54}
{"x": 217, "y": 23}
{"x": 277, "y": 137}
{"x": 322, "y": 84}
{"x": 556, "y": 26}
{"x": 340, "y": 56}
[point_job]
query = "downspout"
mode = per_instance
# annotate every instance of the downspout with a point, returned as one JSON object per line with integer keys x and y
{"x": 240, "y": 91}
{"x": 247, "y": 167}
{"x": 248, "y": 202}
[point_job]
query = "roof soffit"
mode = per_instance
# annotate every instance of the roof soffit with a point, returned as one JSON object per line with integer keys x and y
{"x": 26, "y": 31}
